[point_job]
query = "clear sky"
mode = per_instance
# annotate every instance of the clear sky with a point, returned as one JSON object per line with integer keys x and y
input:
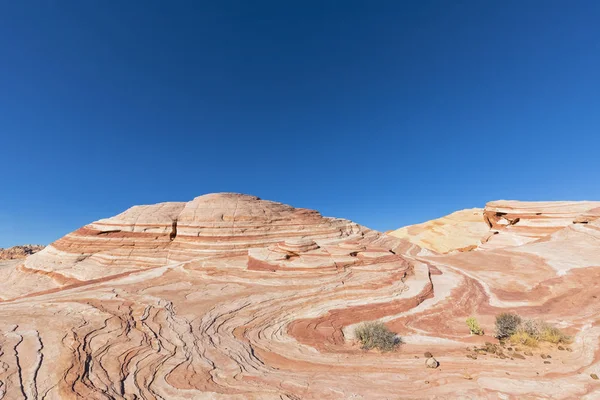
{"x": 384, "y": 112}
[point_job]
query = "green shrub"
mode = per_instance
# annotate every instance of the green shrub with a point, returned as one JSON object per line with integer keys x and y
{"x": 376, "y": 335}
{"x": 507, "y": 324}
{"x": 474, "y": 326}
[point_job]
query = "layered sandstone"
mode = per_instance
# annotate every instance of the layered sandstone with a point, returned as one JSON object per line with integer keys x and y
{"x": 500, "y": 224}
{"x": 232, "y": 297}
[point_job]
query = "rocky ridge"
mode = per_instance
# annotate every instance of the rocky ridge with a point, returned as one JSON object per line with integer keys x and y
{"x": 19, "y": 252}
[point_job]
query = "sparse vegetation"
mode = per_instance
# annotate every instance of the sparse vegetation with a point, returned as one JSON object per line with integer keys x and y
{"x": 474, "y": 326}
{"x": 554, "y": 335}
{"x": 376, "y": 335}
{"x": 506, "y": 325}
{"x": 524, "y": 338}
{"x": 531, "y": 332}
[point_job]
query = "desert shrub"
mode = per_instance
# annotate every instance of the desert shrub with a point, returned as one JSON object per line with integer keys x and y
{"x": 376, "y": 335}
{"x": 524, "y": 338}
{"x": 474, "y": 326}
{"x": 552, "y": 334}
{"x": 506, "y": 324}
{"x": 530, "y": 327}
{"x": 528, "y": 332}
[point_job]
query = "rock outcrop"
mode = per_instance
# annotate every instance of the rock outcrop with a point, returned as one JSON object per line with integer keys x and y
{"x": 500, "y": 224}
{"x": 460, "y": 231}
{"x": 19, "y": 252}
{"x": 232, "y": 297}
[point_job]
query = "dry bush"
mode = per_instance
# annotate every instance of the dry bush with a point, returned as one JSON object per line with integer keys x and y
{"x": 376, "y": 335}
{"x": 552, "y": 334}
{"x": 507, "y": 324}
{"x": 530, "y": 332}
{"x": 531, "y": 327}
{"x": 522, "y": 337}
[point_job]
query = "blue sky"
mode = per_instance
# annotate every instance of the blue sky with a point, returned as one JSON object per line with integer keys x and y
{"x": 387, "y": 113}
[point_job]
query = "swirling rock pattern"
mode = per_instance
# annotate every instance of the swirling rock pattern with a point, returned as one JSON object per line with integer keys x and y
{"x": 232, "y": 297}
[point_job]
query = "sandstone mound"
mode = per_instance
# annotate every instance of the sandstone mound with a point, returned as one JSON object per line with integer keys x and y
{"x": 460, "y": 231}
{"x": 19, "y": 252}
{"x": 232, "y": 297}
{"x": 500, "y": 224}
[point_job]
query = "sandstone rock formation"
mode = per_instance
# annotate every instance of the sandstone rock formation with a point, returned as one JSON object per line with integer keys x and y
{"x": 460, "y": 231}
{"x": 232, "y": 297}
{"x": 19, "y": 252}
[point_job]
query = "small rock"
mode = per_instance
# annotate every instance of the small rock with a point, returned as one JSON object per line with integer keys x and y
{"x": 507, "y": 373}
{"x": 428, "y": 354}
{"x": 543, "y": 356}
{"x": 468, "y": 349}
{"x": 519, "y": 356}
{"x": 491, "y": 348}
{"x": 518, "y": 349}
{"x": 510, "y": 349}
{"x": 472, "y": 356}
{"x": 546, "y": 362}
{"x": 427, "y": 382}
{"x": 548, "y": 356}
{"x": 416, "y": 356}
{"x": 569, "y": 349}
{"x": 594, "y": 376}
{"x": 528, "y": 353}
{"x": 467, "y": 377}
{"x": 432, "y": 363}
{"x": 561, "y": 348}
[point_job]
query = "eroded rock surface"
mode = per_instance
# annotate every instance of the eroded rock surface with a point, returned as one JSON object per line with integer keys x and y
{"x": 19, "y": 252}
{"x": 232, "y": 297}
{"x": 460, "y": 231}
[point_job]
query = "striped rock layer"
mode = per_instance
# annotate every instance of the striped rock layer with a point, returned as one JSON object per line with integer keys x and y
{"x": 232, "y": 297}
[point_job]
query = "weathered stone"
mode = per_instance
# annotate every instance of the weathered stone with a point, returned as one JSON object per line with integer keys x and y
{"x": 432, "y": 363}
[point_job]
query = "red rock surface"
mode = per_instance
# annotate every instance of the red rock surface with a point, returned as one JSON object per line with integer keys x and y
{"x": 232, "y": 297}
{"x": 19, "y": 252}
